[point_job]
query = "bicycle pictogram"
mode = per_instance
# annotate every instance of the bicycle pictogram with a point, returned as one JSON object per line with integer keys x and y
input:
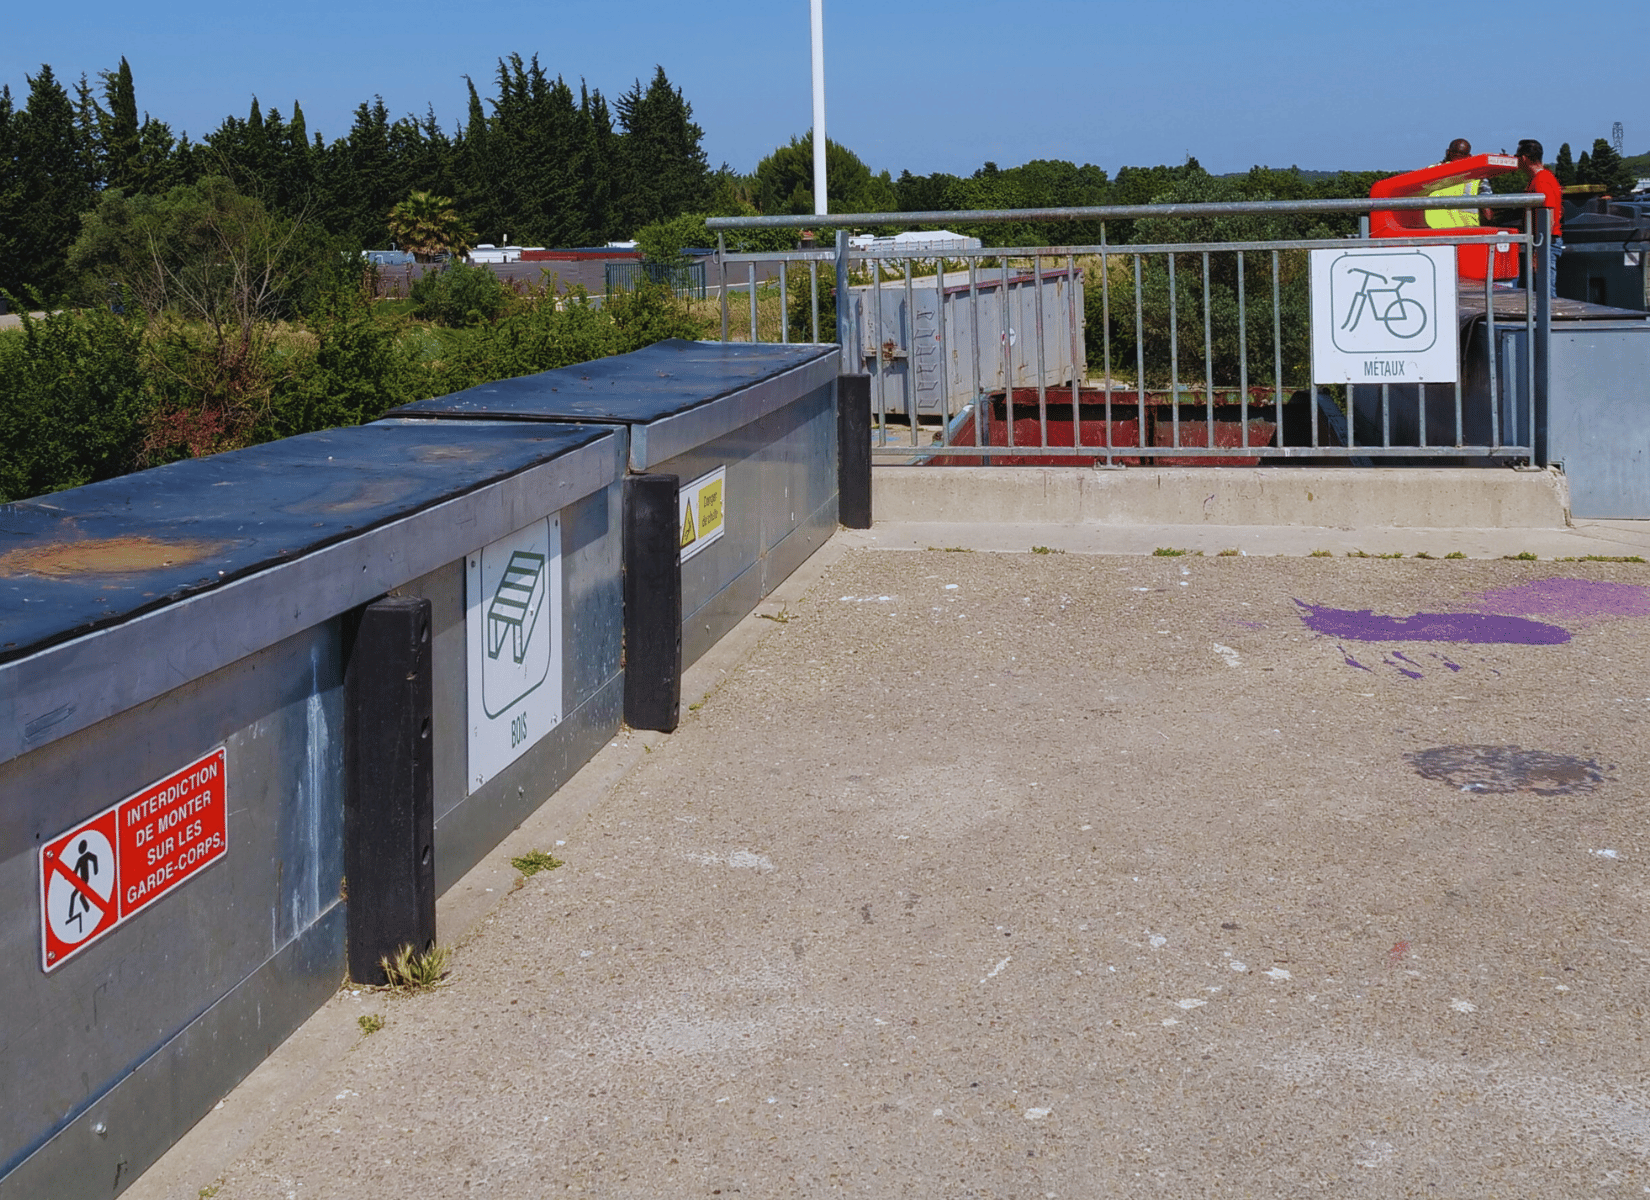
{"x": 1403, "y": 316}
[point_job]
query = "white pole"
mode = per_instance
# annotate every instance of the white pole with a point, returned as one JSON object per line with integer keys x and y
{"x": 820, "y": 205}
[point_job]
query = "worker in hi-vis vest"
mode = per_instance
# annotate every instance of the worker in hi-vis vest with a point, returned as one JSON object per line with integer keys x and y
{"x": 1455, "y": 218}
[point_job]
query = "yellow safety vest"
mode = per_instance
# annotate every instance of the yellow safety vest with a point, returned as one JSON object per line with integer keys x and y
{"x": 1440, "y": 218}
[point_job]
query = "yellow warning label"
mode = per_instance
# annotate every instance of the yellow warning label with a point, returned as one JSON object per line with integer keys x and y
{"x": 710, "y": 507}
{"x": 703, "y": 503}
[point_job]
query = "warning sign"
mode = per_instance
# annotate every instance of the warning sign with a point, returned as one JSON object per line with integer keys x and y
{"x": 119, "y": 862}
{"x": 703, "y": 509}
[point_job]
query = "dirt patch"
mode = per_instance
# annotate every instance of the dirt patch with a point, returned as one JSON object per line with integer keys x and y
{"x": 106, "y": 556}
{"x": 1500, "y": 769}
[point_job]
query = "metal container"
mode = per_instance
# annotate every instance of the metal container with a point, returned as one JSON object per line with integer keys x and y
{"x": 927, "y": 360}
{"x": 1598, "y": 415}
{"x": 754, "y": 423}
{"x": 156, "y": 619}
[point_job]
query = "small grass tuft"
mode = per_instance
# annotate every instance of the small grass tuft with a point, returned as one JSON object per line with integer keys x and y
{"x": 1623, "y": 558}
{"x": 1167, "y": 552}
{"x": 782, "y": 617}
{"x": 696, "y": 706}
{"x": 370, "y": 1023}
{"x": 410, "y": 970}
{"x": 1455, "y": 554}
{"x": 1045, "y": 550}
{"x": 1321, "y": 554}
{"x": 1521, "y": 556}
{"x": 1227, "y": 554}
{"x": 210, "y": 1190}
{"x": 535, "y": 861}
{"x": 1422, "y": 554}
{"x": 1359, "y": 554}
{"x": 952, "y": 549}
{"x": 1394, "y": 554}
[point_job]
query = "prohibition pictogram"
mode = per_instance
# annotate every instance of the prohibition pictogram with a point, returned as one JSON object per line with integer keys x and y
{"x": 78, "y": 883}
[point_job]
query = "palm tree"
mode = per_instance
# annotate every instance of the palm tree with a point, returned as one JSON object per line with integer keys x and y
{"x": 429, "y": 225}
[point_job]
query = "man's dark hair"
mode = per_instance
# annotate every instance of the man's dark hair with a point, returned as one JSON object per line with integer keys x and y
{"x": 1531, "y": 149}
{"x": 1459, "y": 148}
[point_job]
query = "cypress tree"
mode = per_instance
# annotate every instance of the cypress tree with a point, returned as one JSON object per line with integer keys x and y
{"x": 120, "y": 129}
{"x": 1610, "y": 171}
{"x": 52, "y": 187}
{"x": 1564, "y": 167}
{"x": 665, "y": 172}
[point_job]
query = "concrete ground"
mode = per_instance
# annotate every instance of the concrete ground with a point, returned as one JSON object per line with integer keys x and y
{"x": 1048, "y": 875}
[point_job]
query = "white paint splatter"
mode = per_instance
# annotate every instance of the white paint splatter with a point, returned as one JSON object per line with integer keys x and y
{"x": 1190, "y": 1004}
{"x": 1278, "y": 973}
{"x": 1170, "y": 1021}
{"x": 1037, "y": 1114}
{"x": 1157, "y": 940}
{"x": 1604, "y": 853}
{"x": 951, "y": 587}
{"x": 1463, "y": 1006}
{"x": 1229, "y": 655}
{"x": 992, "y": 974}
{"x": 1238, "y": 966}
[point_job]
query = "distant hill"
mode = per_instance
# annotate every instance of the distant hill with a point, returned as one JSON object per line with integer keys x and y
{"x": 1638, "y": 164}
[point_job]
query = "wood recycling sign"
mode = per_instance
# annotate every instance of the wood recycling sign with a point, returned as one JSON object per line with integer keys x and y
{"x": 111, "y": 867}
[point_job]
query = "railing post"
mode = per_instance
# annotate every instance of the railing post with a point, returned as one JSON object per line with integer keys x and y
{"x": 1540, "y": 279}
{"x": 389, "y": 813}
{"x": 842, "y": 294}
{"x": 652, "y": 603}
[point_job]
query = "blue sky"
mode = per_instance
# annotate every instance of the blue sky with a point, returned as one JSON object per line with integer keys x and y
{"x": 917, "y": 84}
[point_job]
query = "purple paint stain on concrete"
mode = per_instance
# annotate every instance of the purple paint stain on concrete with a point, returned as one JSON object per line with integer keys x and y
{"x": 1387, "y": 662}
{"x": 1352, "y": 662}
{"x": 1365, "y": 626}
{"x": 1447, "y": 663}
{"x": 1413, "y": 674}
{"x": 1577, "y": 599}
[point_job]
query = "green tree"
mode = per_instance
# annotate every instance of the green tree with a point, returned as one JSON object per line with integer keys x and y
{"x": 785, "y": 181}
{"x": 663, "y": 168}
{"x": 121, "y": 131}
{"x": 1608, "y": 170}
{"x": 49, "y": 189}
{"x": 429, "y": 225}
{"x": 1564, "y": 167}
{"x": 460, "y": 295}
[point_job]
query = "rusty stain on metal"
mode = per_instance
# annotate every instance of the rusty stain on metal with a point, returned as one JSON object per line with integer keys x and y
{"x": 105, "y": 556}
{"x": 353, "y": 497}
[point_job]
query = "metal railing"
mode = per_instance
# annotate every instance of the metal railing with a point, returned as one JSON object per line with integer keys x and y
{"x": 1201, "y": 347}
{"x": 685, "y": 279}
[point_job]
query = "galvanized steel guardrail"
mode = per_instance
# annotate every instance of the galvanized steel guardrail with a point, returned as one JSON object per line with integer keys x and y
{"x": 1491, "y": 412}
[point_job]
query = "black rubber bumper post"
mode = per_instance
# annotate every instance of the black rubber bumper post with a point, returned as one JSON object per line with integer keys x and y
{"x": 389, "y": 810}
{"x": 853, "y": 450}
{"x": 652, "y": 603}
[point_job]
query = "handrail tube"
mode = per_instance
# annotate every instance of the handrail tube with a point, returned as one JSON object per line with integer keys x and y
{"x": 1126, "y": 212}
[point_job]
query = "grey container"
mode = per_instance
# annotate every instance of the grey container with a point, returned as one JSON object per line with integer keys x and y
{"x": 929, "y": 347}
{"x": 764, "y": 414}
{"x": 150, "y": 619}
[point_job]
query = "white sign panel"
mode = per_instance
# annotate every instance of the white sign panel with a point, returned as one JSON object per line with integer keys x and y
{"x": 513, "y": 624}
{"x": 1384, "y": 316}
{"x": 702, "y": 511}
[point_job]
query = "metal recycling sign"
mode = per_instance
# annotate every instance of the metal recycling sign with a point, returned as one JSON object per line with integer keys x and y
{"x": 114, "y": 865}
{"x": 1385, "y": 315}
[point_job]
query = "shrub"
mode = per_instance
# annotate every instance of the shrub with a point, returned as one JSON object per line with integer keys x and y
{"x": 460, "y": 296}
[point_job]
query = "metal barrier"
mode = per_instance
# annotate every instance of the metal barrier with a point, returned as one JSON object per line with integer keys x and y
{"x": 685, "y": 279}
{"x": 1202, "y": 346}
{"x": 259, "y": 709}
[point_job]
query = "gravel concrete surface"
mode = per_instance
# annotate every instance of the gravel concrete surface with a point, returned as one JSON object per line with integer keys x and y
{"x": 1032, "y": 876}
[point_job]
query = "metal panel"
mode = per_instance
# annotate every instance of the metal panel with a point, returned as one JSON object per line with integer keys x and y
{"x": 468, "y": 825}
{"x": 1598, "y": 416}
{"x": 781, "y": 484}
{"x": 286, "y": 561}
{"x": 69, "y": 1036}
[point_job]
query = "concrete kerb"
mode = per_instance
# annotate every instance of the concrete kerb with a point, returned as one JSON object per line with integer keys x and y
{"x": 290, "y": 1076}
{"x": 1362, "y": 498}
